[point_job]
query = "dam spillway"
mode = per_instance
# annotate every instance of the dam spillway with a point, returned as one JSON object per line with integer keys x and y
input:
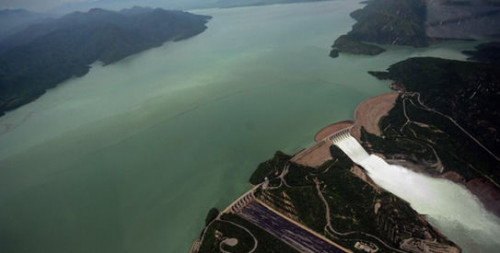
{"x": 450, "y": 207}
{"x": 349, "y": 146}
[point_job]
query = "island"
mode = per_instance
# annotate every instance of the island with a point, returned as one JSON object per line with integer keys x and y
{"x": 47, "y": 53}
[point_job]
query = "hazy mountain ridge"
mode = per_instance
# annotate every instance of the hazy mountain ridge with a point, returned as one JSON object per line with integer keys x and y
{"x": 50, "y": 52}
{"x": 15, "y": 20}
{"x": 171, "y": 4}
{"x": 240, "y": 3}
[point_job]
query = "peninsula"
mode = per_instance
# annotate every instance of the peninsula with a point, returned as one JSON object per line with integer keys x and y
{"x": 47, "y": 53}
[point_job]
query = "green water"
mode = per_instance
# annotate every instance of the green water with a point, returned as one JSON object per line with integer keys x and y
{"x": 130, "y": 157}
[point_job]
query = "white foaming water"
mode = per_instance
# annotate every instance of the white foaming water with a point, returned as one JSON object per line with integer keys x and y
{"x": 449, "y": 207}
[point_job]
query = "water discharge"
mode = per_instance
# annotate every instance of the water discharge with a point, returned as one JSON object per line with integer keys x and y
{"x": 448, "y": 206}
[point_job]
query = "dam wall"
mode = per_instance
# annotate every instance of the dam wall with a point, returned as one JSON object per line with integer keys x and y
{"x": 349, "y": 145}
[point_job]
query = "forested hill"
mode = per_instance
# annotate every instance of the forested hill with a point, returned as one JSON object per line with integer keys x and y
{"x": 418, "y": 23}
{"x": 15, "y": 20}
{"x": 47, "y": 53}
{"x": 467, "y": 92}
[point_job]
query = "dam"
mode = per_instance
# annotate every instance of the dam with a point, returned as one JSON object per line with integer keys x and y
{"x": 448, "y": 206}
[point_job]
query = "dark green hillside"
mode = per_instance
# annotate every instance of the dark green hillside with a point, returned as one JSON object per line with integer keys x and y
{"x": 385, "y": 22}
{"x": 391, "y": 22}
{"x": 65, "y": 47}
{"x": 468, "y": 92}
{"x": 330, "y": 200}
{"x": 486, "y": 52}
{"x": 15, "y": 20}
{"x": 418, "y": 23}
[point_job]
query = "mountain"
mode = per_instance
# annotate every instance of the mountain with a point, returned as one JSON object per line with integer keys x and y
{"x": 463, "y": 19}
{"x": 239, "y": 3}
{"x": 418, "y": 23}
{"x": 47, "y": 53}
{"x": 170, "y": 4}
{"x": 120, "y": 4}
{"x": 12, "y": 21}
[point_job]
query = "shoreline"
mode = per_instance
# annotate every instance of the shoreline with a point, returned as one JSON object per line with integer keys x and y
{"x": 369, "y": 112}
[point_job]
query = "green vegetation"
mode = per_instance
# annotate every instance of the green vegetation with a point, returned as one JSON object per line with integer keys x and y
{"x": 211, "y": 215}
{"x": 486, "y": 52}
{"x": 46, "y": 54}
{"x": 391, "y": 22}
{"x": 307, "y": 205}
{"x": 416, "y": 143}
{"x": 397, "y": 22}
{"x": 220, "y": 230}
{"x": 467, "y": 92}
{"x": 334, "y": 53}
{"x": 347, "y": 44}
{"x": 224, "y": 229}
{"x": 270, "y": 168}
{"x": 386, "y": 22}
{"x": 352, "y": 203}
{"x": 358, "y": 210}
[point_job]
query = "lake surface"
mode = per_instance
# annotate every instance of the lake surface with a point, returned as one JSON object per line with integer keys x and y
{"x": 130, "y": 157}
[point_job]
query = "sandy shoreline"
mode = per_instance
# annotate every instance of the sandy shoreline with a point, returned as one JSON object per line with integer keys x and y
{"x": 370, "y": 111}
{"x": 314, "y": 156}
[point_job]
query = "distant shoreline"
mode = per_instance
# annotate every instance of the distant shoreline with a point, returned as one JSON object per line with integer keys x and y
{"x": 45, "y": 54}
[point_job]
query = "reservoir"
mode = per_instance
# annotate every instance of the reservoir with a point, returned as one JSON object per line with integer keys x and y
{"x": 130, "y": 157}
